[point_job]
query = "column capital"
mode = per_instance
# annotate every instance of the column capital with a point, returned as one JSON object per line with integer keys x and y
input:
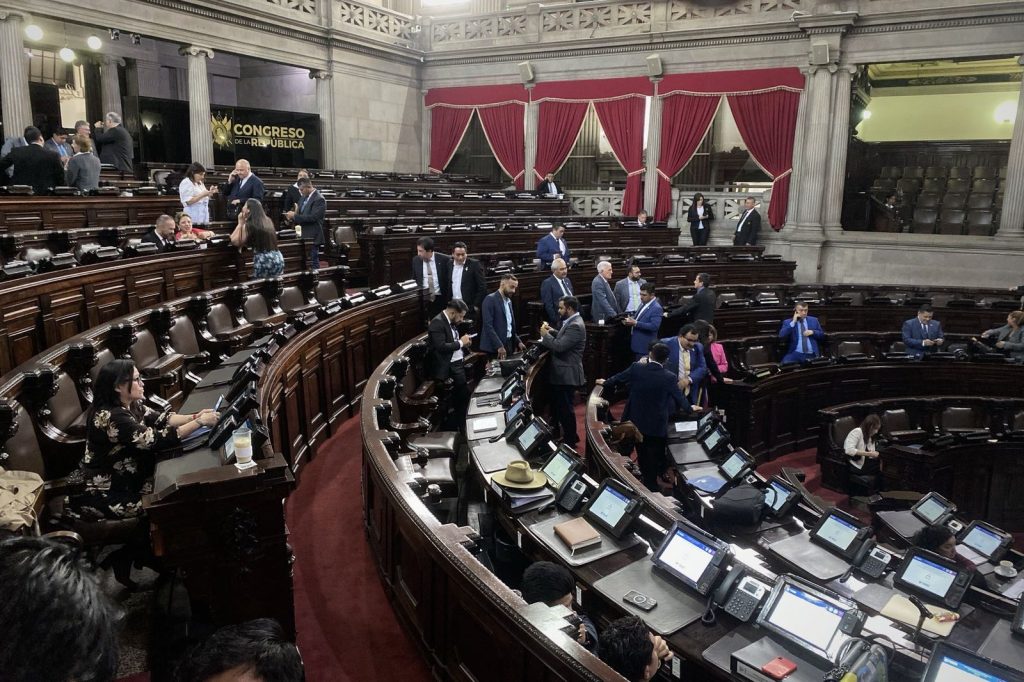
{"x": 7, "y": 13}
{"x": 195, "y": 51}
{"x": 320, "y": 75}
{"x": 110, "y": 59}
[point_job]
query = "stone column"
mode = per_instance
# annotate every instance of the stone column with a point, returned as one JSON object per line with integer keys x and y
{"x": 1011, "y": 222}
{"x": 199, "y": 103}
{"x": 653, "y": 152}
{"x": 425, "y": 130}
{"x": 835, "y": 176}
{"x": 814, "y": 154}
{"x": 325, "y": 107}
{"x": 530, "y": 155}
{"x": 14, "y": 99}
{"x": 798, "y": 145}
{"x": 110, "y": 84}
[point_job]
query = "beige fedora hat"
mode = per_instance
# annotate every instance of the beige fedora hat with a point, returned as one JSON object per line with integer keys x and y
{"x": 518, "y": 474}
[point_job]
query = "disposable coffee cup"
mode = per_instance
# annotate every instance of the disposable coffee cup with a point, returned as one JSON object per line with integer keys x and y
{"x": 242, "y": 440}
{"x": 298, "y": 231}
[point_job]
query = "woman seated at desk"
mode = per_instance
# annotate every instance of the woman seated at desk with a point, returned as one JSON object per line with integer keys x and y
{"x": 122, "y": 436}
{"x": 860, "y": 448}
{"x": 940, "y": 539}
{"x": 183, "y": 221}
{"x": 1010, "y": 337}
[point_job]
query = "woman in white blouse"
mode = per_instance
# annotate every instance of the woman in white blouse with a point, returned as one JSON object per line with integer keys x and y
{"x": 860, "y": 445}
{"x": 195, "y": 198}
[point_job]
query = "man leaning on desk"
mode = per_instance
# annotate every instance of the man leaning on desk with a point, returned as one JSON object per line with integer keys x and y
{"x": 566, "y": 371}
{"x": 447, "y": 351}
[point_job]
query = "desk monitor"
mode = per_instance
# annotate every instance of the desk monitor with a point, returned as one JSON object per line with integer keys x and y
{"x": 560, "y": 465}
{"x": 817, "y": 621}
{"x": 534, "y": 433}
{"x": 706, "y": 422}
{"x": 613, "y": 508}
{"x": 986, "y": 540}
{"x": 780, "y": 497}
{"x": 950, "y": 663}
{"x": 715, "y": 440}
{"x": 933, "y": 509}
{"x": 510, "y": 390}
{"x": 514, "y": 409}
{"x": 736, "y": 465}
{"x": 694, "y": 557}
{"x": 935, "y": 579}
{"x": 840, "y": 533}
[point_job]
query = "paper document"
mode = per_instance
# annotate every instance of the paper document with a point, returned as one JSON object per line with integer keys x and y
{"x": 485, "y": 424}
{"x": 686, "y": 427}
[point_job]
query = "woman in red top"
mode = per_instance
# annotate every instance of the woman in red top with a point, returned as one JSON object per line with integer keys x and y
{"x": 186, "y": 231}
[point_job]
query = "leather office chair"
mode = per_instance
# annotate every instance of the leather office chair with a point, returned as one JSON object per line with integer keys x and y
{"x": 924, "y": 221}
{"x": 959, "y": 172}
{"x": 980, "y": 222}
{"x": 951, "y": 221}
{"x": 913, "y": 172}
{"x": 958, "y": 185}
{"x": 162, "y": 373}
{"x": 933, "y": 185}
{"x": 928, "y": 199}
{"x": 936, "y": 172}
{"x": 897, "y": 426}
{"x": 259, "y": 313}
{"x": 954, "y": 419}
{"x": 759, "y": 356}
{"x": 984, "y": 172}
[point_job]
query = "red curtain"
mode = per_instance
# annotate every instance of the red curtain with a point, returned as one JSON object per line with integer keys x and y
{"x": 685, "y": 120}
{"x": 447, "y": 127}
{"x": 767, "y": 122}
{"x": 557, "y": 129}
{"x": 504, "y": 129}
{"x": 623, "y": 124}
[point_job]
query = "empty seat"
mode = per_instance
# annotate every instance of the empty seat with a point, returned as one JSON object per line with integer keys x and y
{"x": 933, "y": 185}
{"x": 962, "y": 419}
{"x": 908, "y": 185}
{"x": 758, "y": 356}
{"x": 924, "y": 221}
{"x": 951, "y": 221}
{"x": 958, "y": 172}
{"x": 984, "y": 186}
{"x": 913, "y": 172}
{"x": 980, "y": 222}
{"x": 892, "y": 172}
{"x": 935, "y": 172}
{"x": 852, "y": 349}
{"x": 927, "y": 200}
{"x": 985, "y": 172}
{"x": 979, "y": 201}
{"x": 897, "y": 425}
{"x": 883, "y": 184}
{"x": 954, "y": 200}
{"x": 959, "y": 185}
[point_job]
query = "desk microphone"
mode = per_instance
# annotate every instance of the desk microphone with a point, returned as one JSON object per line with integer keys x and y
{"x": 922, "y": 609}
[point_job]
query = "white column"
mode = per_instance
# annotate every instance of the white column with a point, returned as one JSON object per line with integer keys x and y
{"x": 325, "y": 107}
{"x": 425, "y": 123}
{"x": 798, "y": 146}
{"x": 15, "y": 104}
{"x": 814, "y": 154}
{"x": 1011, "y": 222}
{"x": 835, "y": 177}
{"x": 110, "y": 84}
{"x": 199, "y": 103}
{"x": 653, "y": 152}
{"x": 530, "y": 154}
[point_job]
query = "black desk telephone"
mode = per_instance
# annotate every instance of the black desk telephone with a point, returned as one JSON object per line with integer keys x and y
{"x": 740, "y": 594}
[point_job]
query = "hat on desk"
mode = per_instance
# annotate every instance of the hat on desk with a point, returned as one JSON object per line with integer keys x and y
{"x": 518, "y": 474}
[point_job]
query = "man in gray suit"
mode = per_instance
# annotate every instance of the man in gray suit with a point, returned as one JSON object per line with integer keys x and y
{"x": 627, "y": 290}
{"x": 566, "y": 365}
{"x": 602, "y": 303}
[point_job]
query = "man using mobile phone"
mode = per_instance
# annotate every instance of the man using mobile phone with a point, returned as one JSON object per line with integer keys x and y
{"x": 447, "y": 350}
{"x": 242, "y": 184}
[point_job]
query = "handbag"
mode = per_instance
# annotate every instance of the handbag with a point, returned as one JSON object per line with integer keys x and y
{"x": 19, "y": 491}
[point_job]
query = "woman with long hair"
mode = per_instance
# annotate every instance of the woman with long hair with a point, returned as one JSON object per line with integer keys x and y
{"x": 699, "y": 216}
{"x": 255, "y": 230}
{"x": 195, "y": 197}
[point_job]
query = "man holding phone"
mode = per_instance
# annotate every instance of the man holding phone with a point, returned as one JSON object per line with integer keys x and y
{"x": 447, "y": 351}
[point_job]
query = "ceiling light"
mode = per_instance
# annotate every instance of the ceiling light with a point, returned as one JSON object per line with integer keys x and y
{"x": 94, "y": 42}
{"x": 1006, "y": 112}
{"x": 33, "y": 32}
{"x": 67, "y": 54}
{"x": 865, "y": 115}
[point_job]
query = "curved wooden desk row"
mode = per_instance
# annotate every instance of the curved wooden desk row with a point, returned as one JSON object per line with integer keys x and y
{"x": 468, "y": 623}
{"x": 41, "y": 311}
{"x": 18, "y": 214}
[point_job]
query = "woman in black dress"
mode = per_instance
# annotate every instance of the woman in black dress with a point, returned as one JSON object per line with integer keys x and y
{"x": 699, "y": 217}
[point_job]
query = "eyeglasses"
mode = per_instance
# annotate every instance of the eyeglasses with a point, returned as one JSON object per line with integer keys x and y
{"x": 136, "y": 380}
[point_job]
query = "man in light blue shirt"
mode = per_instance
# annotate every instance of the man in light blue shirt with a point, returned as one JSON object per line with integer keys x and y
{"x": 803, "y": 335}
{"x": 627, "y": 290}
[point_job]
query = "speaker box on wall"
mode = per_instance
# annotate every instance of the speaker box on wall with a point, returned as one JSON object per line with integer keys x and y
{"x": 526, "y": 72}
{"x": 654, "y": 66}
{"x": 819, "y": 54}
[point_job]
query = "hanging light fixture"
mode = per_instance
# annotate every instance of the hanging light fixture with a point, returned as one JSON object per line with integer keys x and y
{"x": 33, "y": 32}
{"x": 66, "y": 53}
{"x": 94, "y": 42}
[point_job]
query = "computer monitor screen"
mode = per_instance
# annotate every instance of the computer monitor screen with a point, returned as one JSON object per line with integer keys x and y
{"x": 928, "y": 576}
{"x": 705, "y": 419}
{"x": 931, "y": 508}
{"x": 610, "y": 506}
{"x": 508, "y": 390}
{"x": 513, "y": 411}
{"x": 715, "y": 437}
{"x": 983, "y": 540}
{"x": 838, "y": 532}
{"x": 734, "y": 465}
{"x": 777, "y": 495}
{"x": 807, "y": 618}
{"x": 950, "y": 663}
{"x": 528, "y": 437}
{"x": 688, "y": 554}
{"x": 558, "y": 467}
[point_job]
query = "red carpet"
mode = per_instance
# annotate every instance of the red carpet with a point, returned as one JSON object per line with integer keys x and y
{"x": 346, "y": 627}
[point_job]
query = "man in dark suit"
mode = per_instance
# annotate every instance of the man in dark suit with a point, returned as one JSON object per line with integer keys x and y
{"x": 803, "y": 335}
{"x": 58, "y": 143}
{"x": 922, "y": 335}
{"x": 431, "y": 270}
{"x": 309, "y": 220}
{"x": 242, "y": 184}
{"x": 645, "y": 322}
{"x": 161, "y": 234}
{"x": 749, "y": 224}
{"x": 498, "y": 336}
{"x": 465, "y": 280}
{"x": 686, "y": 362}
{"x": 701, "y": 305}
{"x": 447, "y": 351}
{"x": 292, "y": 196}
{"x": 565, "y": 372}
{"x": 654, "y": 396}
{"x": 548, "y": 186}
{"x": 603, "y": 304}
{"x": 115, "y": 142}
{"x": 553, "y": 288}
{"x": 34, "y": 165}
{"x": 552, "y": 246}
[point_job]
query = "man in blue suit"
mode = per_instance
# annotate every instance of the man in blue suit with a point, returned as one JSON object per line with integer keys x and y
{"x": 645, "y": 322}
{"x": 803, "y": 334}
{"x": 654, "y": 396}
{"x": 242, "y": 184}
{"x": 922, "y": 335}
{"x": 498, "y": 336}
{"x": 553, "y": 289}
{"x": 552, "y": 245}
{"x": 602, "y": 300}
{"x": 686, "y": 362}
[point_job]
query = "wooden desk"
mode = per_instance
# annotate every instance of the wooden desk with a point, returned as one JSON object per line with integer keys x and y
{"x": 64, "y": 213}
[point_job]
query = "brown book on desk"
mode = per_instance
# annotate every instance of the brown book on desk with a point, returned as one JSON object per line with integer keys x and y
{"x": 577, "y": 534}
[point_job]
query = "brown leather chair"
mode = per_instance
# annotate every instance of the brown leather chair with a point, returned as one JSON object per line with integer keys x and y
{"x": 67, "y": 413}
{"x": 936, "y": 172}
{"x": 980, "y": 222}
{"x": 259, "y": 314}
{"x": 759, "y": 356}
{"x": 898, "y": 426}
{"x": 924, "y": 221}
{"x": 294, "y": 301}
{"x": 162, "y": 373}
{"x": 853, "y": 350}
{"x": 956, "y": 419}
{"x": 184, "y": 339}
{"x": 327, "y": 290}
{"x": 960, "y": 172}
{"x": 958, "y": 185}
{"x": 951, "y": 221}
{"x": 222, "y": 324}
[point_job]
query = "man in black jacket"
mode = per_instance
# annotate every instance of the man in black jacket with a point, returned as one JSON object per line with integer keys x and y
{"x": 465, "y": 281}
{"x": 309, "y": 220}
{"x": 447, "y": 350}
{"x": 749, "y": 224}
{"x": 34, "y": 164}
{"x": 701, "y": 306}
{"x": 432, "y": 270}
{"x": 161, "y": 234}
{"x": 242, "y": 184}
{"x": 115, "y": 142}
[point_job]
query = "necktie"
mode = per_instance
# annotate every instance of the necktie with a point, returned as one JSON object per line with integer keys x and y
{"x": 634, "y": 295}
{"x": 684, "y": 367}
{"x": 561, "y": 283}
{"x": 804, "y": 346}
{"x": 430, "y": 279}
{"x": 924, "y": 331}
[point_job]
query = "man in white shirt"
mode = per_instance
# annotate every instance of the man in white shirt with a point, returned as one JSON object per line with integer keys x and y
{"x": 627, "y": 290}
{"x": 447, "y": 352}
{"x": 548, "y": 186}
{"x": 467, "y": 281}
{"x": 431, "y": 271}
{"x": 749, "y": 224}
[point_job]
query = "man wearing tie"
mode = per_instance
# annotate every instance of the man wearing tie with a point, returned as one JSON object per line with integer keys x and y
{"x": 309, "y": 219}
{"x": 466, "y": 282}
{"x": 803, "y": 334}
{"x": 565, "y": 373}
{"x": 554, "y": 288}
{"x": 447, "y": 351}
{"x": 430, "y": 270}
{"x": 603, "y": 305}
{"x": 645, "y": 323}
{"x": 686, "y": 362}
{"x": 627, "y": 290}
{"x": 552, "y": 246}
{"x": 498, "y": 335}
{"x": 58, "y": 143}
{"x": 548, "y": 186}
{"x": 922, "y": 335}
{"x": 749, "y": 224}
{"x": 161, "y": 234}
